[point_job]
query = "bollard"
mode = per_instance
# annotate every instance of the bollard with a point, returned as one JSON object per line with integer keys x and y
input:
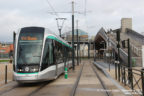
{"x": 132, "y": 87}
{"x": 66, "y": 73}
{"x": 5, "y": 74}
{"x": 124, "y": 77}
{"x": 121, "y": 73}
{"x": 116, "y": 70}
{"x": 142, "y": 76}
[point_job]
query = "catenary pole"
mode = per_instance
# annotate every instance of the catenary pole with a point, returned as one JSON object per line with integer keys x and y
{"x": 73, "y": 63}
{"x": 77, "y": 44}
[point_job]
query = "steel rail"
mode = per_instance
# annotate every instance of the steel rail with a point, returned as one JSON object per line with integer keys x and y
{"x": 101, "y": 81}
{"x": 8, "y": 90}
{"x": 39, "y": 88}
{"x": 76, "y": 83}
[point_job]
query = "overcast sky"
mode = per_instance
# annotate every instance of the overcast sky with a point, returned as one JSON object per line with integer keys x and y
{"x": 15, "y": 14}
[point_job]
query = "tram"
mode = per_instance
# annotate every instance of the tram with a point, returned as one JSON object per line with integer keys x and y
{"x": 39, "y": 55}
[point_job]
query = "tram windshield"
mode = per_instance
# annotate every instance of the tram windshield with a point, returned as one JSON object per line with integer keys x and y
{"x": 30, "y": 46}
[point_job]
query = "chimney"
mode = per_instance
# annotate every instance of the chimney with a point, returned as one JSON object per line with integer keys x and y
{"x": 126, "y": 23}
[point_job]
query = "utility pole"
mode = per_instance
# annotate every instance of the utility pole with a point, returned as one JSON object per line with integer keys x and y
{"x": 14, "y": 42}
{"x": 94, "y": 51}
{"x": 89, "y": 49}
{"x": 79, "y": 51}
{"x": 73, "y": 63}
{"x": 130, "y": 76}
{"x": 118, "y": 58}
{"x": 60, "y": 26}
{"x": 77, "y": 45}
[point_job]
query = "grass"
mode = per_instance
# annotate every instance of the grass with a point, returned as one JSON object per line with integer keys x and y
{"x": 4, "y": 60}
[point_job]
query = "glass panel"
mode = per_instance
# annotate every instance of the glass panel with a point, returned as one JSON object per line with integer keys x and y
{"x": 48, "y": 54}
{"x": 58, "y": 52}
{"x": 30, "y": 46}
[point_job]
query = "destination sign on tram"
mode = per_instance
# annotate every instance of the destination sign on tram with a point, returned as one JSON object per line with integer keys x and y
{"x": 29, "y": 38}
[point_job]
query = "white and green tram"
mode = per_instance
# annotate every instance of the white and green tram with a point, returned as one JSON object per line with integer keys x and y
{"x": 39, "y": 55}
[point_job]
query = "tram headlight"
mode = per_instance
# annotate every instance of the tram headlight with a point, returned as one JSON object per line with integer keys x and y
{"x": 20, "y": 70}
{"x": 34, "y": 69}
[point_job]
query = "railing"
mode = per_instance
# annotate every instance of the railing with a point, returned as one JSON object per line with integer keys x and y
{"x": 103, "y": 34}
{"x": 136, "y": 50}
{"x": 123, "y": 54}
{"x": 134, "y": 79}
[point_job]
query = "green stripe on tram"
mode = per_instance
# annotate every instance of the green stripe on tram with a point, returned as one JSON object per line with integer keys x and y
{"x": 28, "y": 73}
{"x": 54, "y": 38}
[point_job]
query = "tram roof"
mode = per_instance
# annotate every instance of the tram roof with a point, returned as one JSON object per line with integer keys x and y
{"x": 55, "y": 37}
{"x": 52, "y": 35}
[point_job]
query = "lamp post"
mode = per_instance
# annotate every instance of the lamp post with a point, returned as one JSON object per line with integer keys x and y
{"x": 94, "y": 51}
{"x": 130, "y": 75}
{"x": 79, "y": 50}
{"x": 88, "y": 50}
{"x": 118, "y": 57}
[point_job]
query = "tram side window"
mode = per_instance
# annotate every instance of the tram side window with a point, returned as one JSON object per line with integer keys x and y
{"x": 61, "y": 53}
{"x": 70, "y": 54}
{"x": 58, "y": 52}
{"x": 47, "y": 54}
{"x": 66, "y": 53}
{"x": 51, "y": 59}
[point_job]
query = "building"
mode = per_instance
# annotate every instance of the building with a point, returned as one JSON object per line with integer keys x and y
{"x": 6, "y": 50}
{"x": 83, "y": 36}
{"x": 136, "y": 40}
{"x": 126, "y": 23}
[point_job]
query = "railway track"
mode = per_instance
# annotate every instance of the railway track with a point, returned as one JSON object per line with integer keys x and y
{"x": 8, "y": 90}
{"x": 87, "y": 80}
{"x": 73, "y": 92}
{"x": 76, "y": 83}
{"x": 101, "y": 81}
{"x": 37, "y": 87}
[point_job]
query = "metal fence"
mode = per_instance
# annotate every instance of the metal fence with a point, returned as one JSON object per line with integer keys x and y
{"x": 133, "y": 78}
